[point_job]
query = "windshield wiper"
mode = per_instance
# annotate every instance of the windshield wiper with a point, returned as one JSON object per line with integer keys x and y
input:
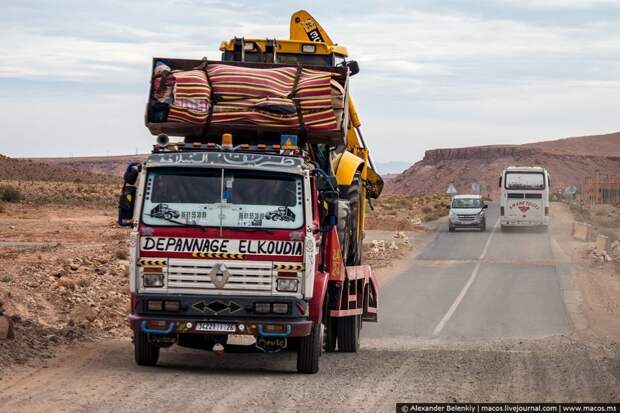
{"x": 269, "y": 231}
{"x": 175, "y": 221}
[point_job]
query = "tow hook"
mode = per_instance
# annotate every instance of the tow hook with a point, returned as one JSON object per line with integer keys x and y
{"x": 218, "y": 348}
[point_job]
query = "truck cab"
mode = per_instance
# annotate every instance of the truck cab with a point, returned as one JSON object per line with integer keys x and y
{"x": 237, "y": 245}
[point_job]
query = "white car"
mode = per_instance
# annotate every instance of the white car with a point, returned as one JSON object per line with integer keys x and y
{"x": 467, "y": 211}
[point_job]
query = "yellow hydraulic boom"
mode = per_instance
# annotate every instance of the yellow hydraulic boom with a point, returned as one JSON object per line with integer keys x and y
{"x": 304, "y": 27}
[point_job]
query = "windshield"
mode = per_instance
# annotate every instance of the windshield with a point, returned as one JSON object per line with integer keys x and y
{"x": 525, "y": 180}
{"x": 227, "y": 198}
{"x": 467, "y": 203}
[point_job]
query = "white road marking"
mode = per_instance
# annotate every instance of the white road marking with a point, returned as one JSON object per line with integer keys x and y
{"x": 470, "y": 281}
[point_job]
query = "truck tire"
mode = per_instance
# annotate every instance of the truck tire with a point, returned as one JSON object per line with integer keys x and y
{"x": 349, "y": 334}
{"x": 309, "y": 351}
{"x": 451, "y": 228}
{"x": 145, "y": 353}
{"x": 353, "y": 195}
{"x": 342, "y": 227}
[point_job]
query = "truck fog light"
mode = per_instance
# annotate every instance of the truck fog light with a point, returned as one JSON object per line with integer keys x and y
{"x": 154, "y": 305}
{"x": 153, "y": 280}
{"x": 280, "y": 308}
{"x": 287, "y": 284}
{"x": 172, "y": 305}
{"x": 262, "y": 308}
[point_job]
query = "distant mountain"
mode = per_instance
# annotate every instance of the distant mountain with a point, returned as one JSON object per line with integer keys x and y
{"x": 568, "y": 160}
{"x": 12, "y": 169}
{"x": 108, "y": 165}
{"x": 391, "y": 167}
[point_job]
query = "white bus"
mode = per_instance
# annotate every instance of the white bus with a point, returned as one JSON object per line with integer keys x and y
{"x": 524, "y": 196}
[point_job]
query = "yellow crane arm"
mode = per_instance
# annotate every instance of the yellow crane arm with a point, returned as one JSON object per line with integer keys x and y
{"x": 304, "y": 27}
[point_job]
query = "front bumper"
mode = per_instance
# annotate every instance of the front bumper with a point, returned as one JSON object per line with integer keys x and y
{"x": 455, "y": 223}
{"x": 512, "y": 222}
{"x": 220, "y": 309}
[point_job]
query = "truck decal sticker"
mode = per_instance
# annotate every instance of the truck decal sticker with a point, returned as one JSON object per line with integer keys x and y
{"x": 151, "y": 263}
{"x": 281, "y": 214}
{"x": 524, "y": 206}
{"x": 229, "y": 246}
{"x": 224, "y": 255}
{"x": 288, "y": 267}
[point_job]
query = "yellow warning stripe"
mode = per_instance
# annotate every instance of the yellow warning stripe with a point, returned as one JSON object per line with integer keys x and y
{"x": 288, "y": 267}
{"x": 225, "y": 255}
{"x": 143, "y": 262}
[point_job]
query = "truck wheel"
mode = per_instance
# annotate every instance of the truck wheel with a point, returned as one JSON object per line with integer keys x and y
{"x": 145, "y": 353}
{"x": 309, "y": 351}
{"x": 349, "y": 334}
{"x": 450, "y": 228}
{"x": 353, "y": 195}
{"x": 343, "y": 228}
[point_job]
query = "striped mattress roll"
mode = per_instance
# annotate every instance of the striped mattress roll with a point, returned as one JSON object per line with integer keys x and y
{"x": 191, "y": 97}
{"x": 269, "y": 97}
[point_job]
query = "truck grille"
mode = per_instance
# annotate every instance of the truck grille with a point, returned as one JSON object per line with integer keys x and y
{"x": 195, "y": 275}
{"x": 466, "y": 217}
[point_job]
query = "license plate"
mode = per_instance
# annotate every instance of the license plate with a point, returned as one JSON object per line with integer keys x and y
{"x": 218, "y": 327}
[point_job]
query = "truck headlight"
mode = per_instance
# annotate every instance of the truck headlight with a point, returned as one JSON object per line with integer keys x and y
{"x": 287, "y": 284}
{"x": 153, "y": 280}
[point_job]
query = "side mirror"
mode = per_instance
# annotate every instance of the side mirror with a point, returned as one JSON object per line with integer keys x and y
{"x": 131, "y": 174}
{"x": 354, "y": 67}
{"x": 500, "y": 181}
{"x": 485, "y": 206}
{"x": 126, "y": 205}
{"x": 448, "y": 206}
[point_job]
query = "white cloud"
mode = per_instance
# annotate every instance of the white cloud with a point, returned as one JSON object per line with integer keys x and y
{"x": 501, "y": 70}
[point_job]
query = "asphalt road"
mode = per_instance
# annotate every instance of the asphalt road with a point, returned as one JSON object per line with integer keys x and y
{"x": 474, "y": 317}
{"x": 476, "y": 284}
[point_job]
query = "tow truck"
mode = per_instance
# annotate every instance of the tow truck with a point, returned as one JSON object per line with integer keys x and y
{"x": 256, "y": 238}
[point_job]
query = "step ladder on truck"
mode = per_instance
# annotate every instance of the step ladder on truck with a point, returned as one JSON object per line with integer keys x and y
{"x": 247, "y": 218}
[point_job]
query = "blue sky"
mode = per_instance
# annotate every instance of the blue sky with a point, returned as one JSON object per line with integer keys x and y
{"x": 74, "y": 74}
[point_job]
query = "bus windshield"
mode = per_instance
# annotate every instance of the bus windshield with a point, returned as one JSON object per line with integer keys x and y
{"x": 525, "y": 180}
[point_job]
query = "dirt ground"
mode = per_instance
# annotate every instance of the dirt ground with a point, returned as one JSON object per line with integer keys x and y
{"x": 63, "y": 279}
{"x": 597, "y": 282}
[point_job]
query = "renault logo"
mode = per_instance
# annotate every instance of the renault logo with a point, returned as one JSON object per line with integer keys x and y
{"x": 219, "y": 275}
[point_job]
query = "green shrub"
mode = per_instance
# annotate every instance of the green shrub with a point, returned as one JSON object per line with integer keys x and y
{"x": 10, "y": 194}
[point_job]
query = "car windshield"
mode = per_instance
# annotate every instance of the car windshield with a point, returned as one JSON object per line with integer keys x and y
{"x": 227, "y": 198}
{"x": 525, "y": 180}
{"x": 466, "y": 203}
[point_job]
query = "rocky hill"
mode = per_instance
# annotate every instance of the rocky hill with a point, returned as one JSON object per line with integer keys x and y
{"x": 568, "y": 160}
{"x": 27, "y": 170}
{"x": 108, "y": 165}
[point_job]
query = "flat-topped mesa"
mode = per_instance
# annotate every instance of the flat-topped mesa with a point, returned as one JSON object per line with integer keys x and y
{"x": 478, "y": 152}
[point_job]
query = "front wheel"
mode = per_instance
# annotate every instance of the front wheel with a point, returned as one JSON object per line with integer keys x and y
{"x": 145, "y": 353}
{"x": 451, "y": 228}
{"x": 309, "y": 351}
